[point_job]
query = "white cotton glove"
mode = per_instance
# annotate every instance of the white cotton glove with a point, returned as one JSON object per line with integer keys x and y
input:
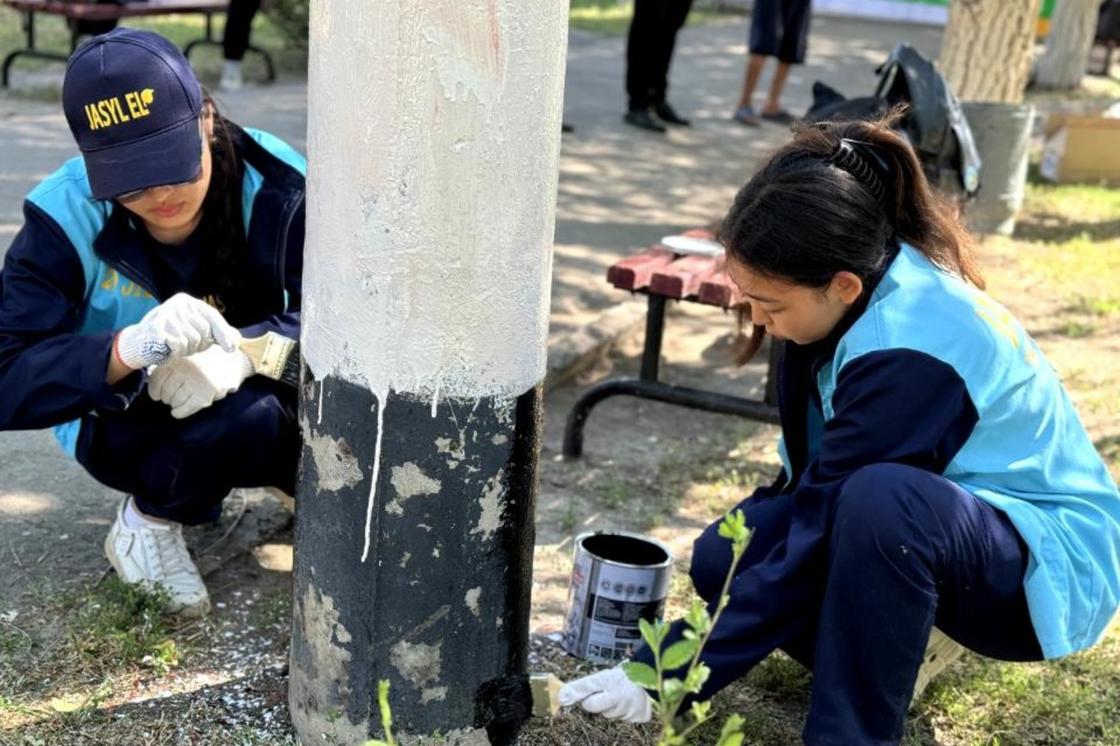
{"x": 609, "y": 693}
{"x": 180, "y": 326}
{"x": 189, "y": 384}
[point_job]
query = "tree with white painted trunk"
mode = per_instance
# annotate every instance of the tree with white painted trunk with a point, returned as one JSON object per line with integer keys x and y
{"x": 433, "y": 139}
{"x": 986, "y": 57}
{"x": 1068, "y": 44}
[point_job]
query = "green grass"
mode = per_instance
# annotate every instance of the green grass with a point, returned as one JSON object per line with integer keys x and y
{"x": 616, "y": 494}
{"x": 1070, "y": 236}
{"x": 1069, "y": 701}
{"x": 121, "y": 624}
{"x": 62, "y": 673}
{"x": 612, "y": 17}
{"x": 53, "y": 35}
{"x": 272, "y": 611}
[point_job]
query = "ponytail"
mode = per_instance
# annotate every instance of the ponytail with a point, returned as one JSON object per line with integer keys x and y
{"x": 840, "y": 197}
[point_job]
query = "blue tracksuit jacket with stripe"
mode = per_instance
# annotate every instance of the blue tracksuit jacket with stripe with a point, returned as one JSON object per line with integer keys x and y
{"x": 78, "y": 272}
{"x": 933, "y": 373}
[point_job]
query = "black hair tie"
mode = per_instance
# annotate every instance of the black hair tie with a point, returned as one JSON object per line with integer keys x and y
{"x": 861, "y": 160}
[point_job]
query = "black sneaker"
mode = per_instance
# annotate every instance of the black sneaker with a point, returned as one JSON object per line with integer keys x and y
{"x": 643, "y": 119}
{"x": 668, "y": 115}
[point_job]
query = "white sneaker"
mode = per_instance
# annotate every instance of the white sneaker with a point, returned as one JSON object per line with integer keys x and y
{"x": 231, "y": 79}
{"x": 941, "y": 651}
{"x": 157, "y": 555}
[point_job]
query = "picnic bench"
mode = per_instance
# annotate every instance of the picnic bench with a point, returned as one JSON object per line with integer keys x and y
{"x": 662, "y": 275}
{"x": 77, "y": 11}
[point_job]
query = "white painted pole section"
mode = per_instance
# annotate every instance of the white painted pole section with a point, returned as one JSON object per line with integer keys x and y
{"x": 433, "y": 142}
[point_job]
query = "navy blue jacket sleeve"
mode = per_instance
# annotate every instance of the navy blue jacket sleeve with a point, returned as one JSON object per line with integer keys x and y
{"x": 892, "y": 406}
{"x": 287, "y": 323}
{"x": 49, "y": 374}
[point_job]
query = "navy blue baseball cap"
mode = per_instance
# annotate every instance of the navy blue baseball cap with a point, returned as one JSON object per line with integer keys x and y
{"x": 133, "y": 104}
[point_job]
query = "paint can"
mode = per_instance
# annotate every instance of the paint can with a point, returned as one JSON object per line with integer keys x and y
{"x": 617, "y": 579}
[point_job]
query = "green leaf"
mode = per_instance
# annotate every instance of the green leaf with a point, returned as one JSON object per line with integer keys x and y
{"x": 649, "y": 635}
{"x": 661, "y": 629}
{"x": 696, "y": 678}
{"x": 641, "y": 674}
{"x": 678, "y": 654}
{"x": 732, "y": 732}
{"x": 672, "y": 691}
{"x": 698, "y": 618}
{"x": 734, "y": 527}
{"x": 386, "y": 711}
{"x": 700, "y": 711}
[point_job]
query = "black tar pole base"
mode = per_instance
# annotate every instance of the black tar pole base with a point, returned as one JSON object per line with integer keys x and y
{"x": 440, "y": 606}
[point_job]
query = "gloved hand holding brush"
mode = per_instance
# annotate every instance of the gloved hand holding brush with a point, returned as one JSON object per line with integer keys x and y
{"x": 609, "y": 693}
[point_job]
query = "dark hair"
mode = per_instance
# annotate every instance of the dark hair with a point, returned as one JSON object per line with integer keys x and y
{"x": 807, "y": 213}
{"x": 222, "y": 230}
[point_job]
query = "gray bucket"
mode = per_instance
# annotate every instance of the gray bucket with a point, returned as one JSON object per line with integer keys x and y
{"x": 617, "y": 579}
{"x": 1003, "y": 137}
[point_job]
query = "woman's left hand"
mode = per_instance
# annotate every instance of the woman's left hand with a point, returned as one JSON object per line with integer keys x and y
{"x": 190, "y": 384}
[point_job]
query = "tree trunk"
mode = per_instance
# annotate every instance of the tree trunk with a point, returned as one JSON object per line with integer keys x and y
{"x": 434, "y": 138}
{"x": 1068, "y": 45}
{"x": 986, "y": 52}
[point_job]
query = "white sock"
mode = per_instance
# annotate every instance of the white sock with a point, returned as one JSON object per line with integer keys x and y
{"x": 232, "y": 69}
{"x": 134, "y": 519}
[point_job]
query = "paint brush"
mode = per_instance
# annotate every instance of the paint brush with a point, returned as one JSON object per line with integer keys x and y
{"x": 503, "y": 705}
{"x": 274, "y": 356}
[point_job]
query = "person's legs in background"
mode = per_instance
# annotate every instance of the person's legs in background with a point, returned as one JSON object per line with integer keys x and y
{"x": 780, "y": 29}
{"x": 641, "y": 62}
{"x": 909, "y": 549}
{"x": 235, "y": 40}
{"x": 791, "y": 51}
{"x": 179, "y": 472}
{"x": 676, "y": 13}
{"x": 762, "y": 42}
{"x": 744, "y": 112}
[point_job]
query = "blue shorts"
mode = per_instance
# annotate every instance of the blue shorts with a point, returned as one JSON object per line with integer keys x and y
{"x": 780, "y": 28}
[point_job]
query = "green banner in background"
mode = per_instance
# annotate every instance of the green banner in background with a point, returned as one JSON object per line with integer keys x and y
{"x": 934, "y": 12}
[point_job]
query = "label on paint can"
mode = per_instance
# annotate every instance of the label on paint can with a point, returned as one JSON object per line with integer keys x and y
{"x": 617, "y": 579}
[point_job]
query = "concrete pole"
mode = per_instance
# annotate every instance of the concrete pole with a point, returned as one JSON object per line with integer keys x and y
{"x": 433, "y": 139}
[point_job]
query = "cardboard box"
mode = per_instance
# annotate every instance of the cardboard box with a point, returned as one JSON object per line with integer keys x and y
{"x": 1081, "y": 148}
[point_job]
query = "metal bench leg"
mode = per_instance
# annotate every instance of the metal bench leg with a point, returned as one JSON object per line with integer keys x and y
{"x": 271, "y": 68}
{"x": 777, "y": 349}
{"x": 29, "y": 51}
{"x": 651, "y": 360}
{"x": 208, "y": 39}
{"x": 682, "y": 396}
{"x": 648, "y": 387}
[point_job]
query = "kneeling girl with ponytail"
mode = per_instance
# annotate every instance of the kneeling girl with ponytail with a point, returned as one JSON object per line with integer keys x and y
{"x": 934, "y": 469}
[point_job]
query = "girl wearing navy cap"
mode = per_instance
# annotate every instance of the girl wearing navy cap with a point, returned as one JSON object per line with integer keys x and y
{"x": 934, "y": 469}
{"x": 126, "y": 299}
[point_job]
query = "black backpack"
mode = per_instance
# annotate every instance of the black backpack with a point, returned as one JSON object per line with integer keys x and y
{"x": 934, "y": 123}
